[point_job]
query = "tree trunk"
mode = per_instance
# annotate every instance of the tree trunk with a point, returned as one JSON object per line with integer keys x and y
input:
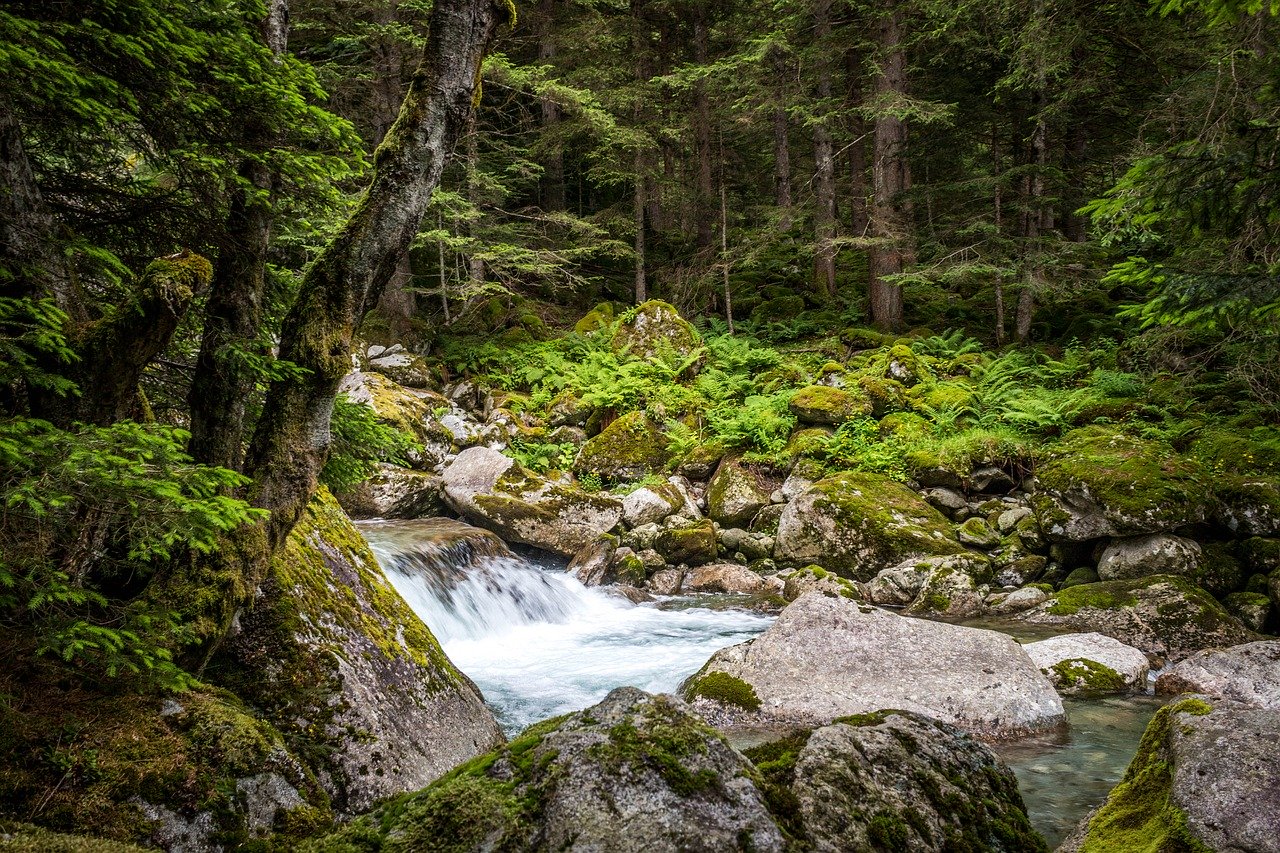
{"x": 889, "y": 177}
{"x": 475, "y": 265}
{"x": 702, "y": 137}
{"x": 858, "y": 219}
{"x": 781, "y": 140}
{"x": 724, "y": 250}
{"x": 1034, "y": 218}
{"x": 291, "y": 442}
{"x": 224, "y": 378}
{"x": 824, "y": 219}
{"x": 642, "y": 290}
{"x": 553, "y": 197}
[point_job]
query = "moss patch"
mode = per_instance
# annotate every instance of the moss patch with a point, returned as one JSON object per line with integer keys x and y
{"x": 723, "y": 688}
{"x": 821, "y": 404}
{"x": 630, "y": 448}
{"x": 1086, "y": 676}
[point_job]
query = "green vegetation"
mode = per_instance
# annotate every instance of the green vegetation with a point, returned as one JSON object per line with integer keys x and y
{"x": 724, "y": 688}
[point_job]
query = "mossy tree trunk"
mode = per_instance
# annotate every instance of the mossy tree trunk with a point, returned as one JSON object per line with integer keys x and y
{"x": 890, "y": 175}
{"x": 291, "y": 442}
{"x": 224, "y": 379}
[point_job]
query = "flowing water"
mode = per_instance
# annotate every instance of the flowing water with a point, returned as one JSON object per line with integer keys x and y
{"x": 535, "y": 640}
{"x": 538, "y": 643}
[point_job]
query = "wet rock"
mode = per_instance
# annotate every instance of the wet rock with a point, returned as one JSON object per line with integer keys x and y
{"x": 395, "y": 492}
{"x": 633, "y": 774}
{"x": 856, "y": 524}
{"x": 1090, "y": 664}
{"x": 493, "y": 491}
{"x": 735, "y": 494}
{"x": 894, "y": 780}
{"x": 1155, "y": 554}
{"x": 592, "y": 564}
{"x": 947, "y": 501}
{"x": 1163, "y": 616}
{"x": 1248, "y": 673}
{"x": 667, "y": 581}
{"x": 1206, "y": 777}
{"x": 827, "y": 657}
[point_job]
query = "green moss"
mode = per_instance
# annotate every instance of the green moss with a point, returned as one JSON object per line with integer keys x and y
{"x": 630, "y": 448}
{"x": 1080, "y": 577}
{"x": 908, "y": 426}
{"x": 809, "y": 442}
{"x": 942, "y": 397}
{"x": 596, "y": 319}
{"x": 630, "y": 570}
{"x": 888, "y": 831}
{"x": 1086, "y": 676}
{"x": 776, "y": 762}
{"x": 825, "y": 405}
{"x": 723, "y": 688}
{"x": 694, "y": 543}
{"x": 25, "y": 838}
{"x": 1107, "y": 595}
{"x": 654, "y": 329}
{"x": 1261, "y": 555}
{"x": 1139, "y": 816}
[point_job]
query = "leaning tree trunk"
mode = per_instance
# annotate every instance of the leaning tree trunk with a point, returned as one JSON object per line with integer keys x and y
{"x": 889, "y": 177}
{"x": 224, "y": 378}
{"x": 291, "y": 442}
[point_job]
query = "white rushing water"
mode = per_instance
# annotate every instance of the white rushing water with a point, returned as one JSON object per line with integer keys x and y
{"x": 535, "y": 640}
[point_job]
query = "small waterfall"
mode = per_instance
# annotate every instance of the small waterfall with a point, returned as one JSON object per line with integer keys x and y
{"x": 533, "y": 639}
{"x": 465, "y": 583}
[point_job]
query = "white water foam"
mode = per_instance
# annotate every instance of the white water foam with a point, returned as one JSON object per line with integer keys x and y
{"x": 535, "y": 640}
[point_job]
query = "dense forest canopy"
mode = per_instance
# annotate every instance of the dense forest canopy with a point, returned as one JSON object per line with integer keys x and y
{"x": 208, "y": 208}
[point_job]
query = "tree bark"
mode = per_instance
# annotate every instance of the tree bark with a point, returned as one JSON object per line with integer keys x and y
{"x": 224, "y": 378}
{"x": 553, "y": 185}
{"x": 889, "y": 176}
{"x": 702, "y": 136}
{"x": 824, "y": 220}
{"x": 1034, "y": 219}
{"x": 858, "y": 218}
{"x": 781, "y": 142}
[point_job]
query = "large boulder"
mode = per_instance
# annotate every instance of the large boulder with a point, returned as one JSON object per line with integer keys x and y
{"x": 1154, "y": 554}
{"x": 1250, "y": 505}
{"x": 693, "y": 543}
{"x": 408, "y": 410}
{"x": 633, "y": 773}
{"x": 829, "y": 656}
{"x": 735, "y": 494}
{"x": 725, "y": 577}
{"x": 395, "y": 492}
{"x": 1090, "y": 664}
{"x": 893, "y": 780}
{"x": 650, "y": 504}
{"x": 1163, "y": 616}
{"x": 494, "y": 492}
{"x": 1206, "y": 777}
{"x": 334, "y": 657}
{"x": 656, "y": 330}
{"x": 1101, "y": 482}
{"x": 856, "y": 524}
{"x": 1248, "y": 673}
{"x": 630, "y": 448}
{"x": 821, "y": 404}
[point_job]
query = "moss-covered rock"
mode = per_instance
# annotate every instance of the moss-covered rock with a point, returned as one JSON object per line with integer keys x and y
{"x": 1090, "y": 664}
{"x": 723, "y": 688}
{"x": 700, "y": 463}
{"x": 407, "y": 410}
{"x": 395, "y": 492}
{"x": 495, "y": 492}
{"x": 1251, "y": 608}
{"x": 902, "y": 365}
{"x": 887, "y": 396}
{"x": 597, "y": 319}
{"x": 977, "y": 533}
{"x": 339, "y": 663}
{"x": 894, "y": 780}
{"x": 856, "y": 524}
{"x": 693, "y": 543}
{"x": 735, "y": 494}
{"x": 655, "y": 329}
{"x": 1080, "y": 576}
{"x": 1261, "y": 555}
{"x": 820, "y": 404}
{"x": 818, "y": 579}
{"x": 907, "y": 426}
{"x": 1163, "y": 616}
{"x": 635, "y": 772}
{"x": 952, "y": 586}
{"x": 942, "y": 397}
{"x": 26, "y": 838}
{"x": 1250, "y": 505}
{"x": 630, "y": 448}
{"x": 1197, "y": 784}
{"x": 1100, "y": 482}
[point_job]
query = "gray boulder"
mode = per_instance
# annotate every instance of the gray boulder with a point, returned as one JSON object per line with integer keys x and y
{"x": 856, "y": 524}
{"x": 1206, "y": 777}
{"x": 494, "y": 492}
{"x": 735, "y": 494}
{"x": 1090, "y": 664}
{"x": 1154, "y": 554}
{"x": 649, "y": 505}
{"x": 726, "y": 577}
{"x": 893, "y": 780}
{"x": 1249, "y": 674}
{"x": 633, "y": 774}
{"x": 828, "y": 656}
{"x": 1163, "y": 616}
{"x": 395, "y": 492}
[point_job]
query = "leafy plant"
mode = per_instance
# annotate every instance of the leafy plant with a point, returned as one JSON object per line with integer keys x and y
{"x": 359, "y": 442}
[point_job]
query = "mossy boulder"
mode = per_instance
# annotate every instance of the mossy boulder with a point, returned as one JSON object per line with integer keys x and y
{"x": 735, "y": 494}
{"x": 1253, "y": 609}
{"x": 693, "y": 543}
{"x": 856, "y": 524}
{"x": 402, "y": 367}
{"x": 650, "y": 504}
{"x": 497, "y": 493}
{"x": 1090, "y": 664}
{"x": 633, "y": 773}
{"x": 1261, "y": 555}
{"x": 630, "y": 448}
{"x": 597, "y": 319}
{"x": 894, "y": 780}
{"x": 977, "y": 533}
{"x": 817, "y": 579}
{"x": 655, "y": 329}
{"x": 942, "y": 397}
{"x": 1155, "y": 554}
{"x": 1204, "y": 778}
{"x": 1250, "y": 505}
{"x": 1164, "y": 616}
{"x": 821, "y": 404}
{"x": 395, "y": 492}
{"x": 953, "y": 586}
{"x": 700, "y": 463}
{"x": 886, "y": 395}
{"x": 1100, "y": 482}
{"x": 408, "y": 410}
{"x": 902, "y": 365}
{"x": 339, "y": 663}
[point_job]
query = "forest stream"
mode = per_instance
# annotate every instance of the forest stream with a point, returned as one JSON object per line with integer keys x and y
{"x": 539, "y": 644}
